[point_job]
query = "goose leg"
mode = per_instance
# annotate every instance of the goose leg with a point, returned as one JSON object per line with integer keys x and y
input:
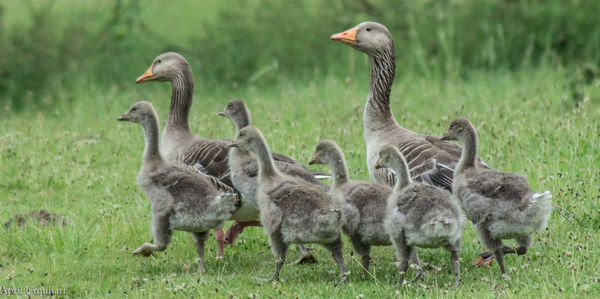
{"x": 220, "y": 238}
{"x": 305, "y": 256}
{"x": 279, "y": 249}
{"x": 237, "y": 228}
{"x": 500, "y": 258}
{"x": 363, "y": 250}
{"x": 417, "y": 262}
{"x": 336, "y": 253}
{"x": 403, "y": 253}
{"x": 454, "y": 259}
{"x": 162, "y": 235}
{"x": 200, "y": 241}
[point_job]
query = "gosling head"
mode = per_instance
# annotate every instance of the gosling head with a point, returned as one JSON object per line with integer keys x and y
{"x": 388, "y": 156}
{"x": 249, "y": 138}
{"x": 459, "y": 129}
{"x": 324, "y": 152}
{"x": 164, "y": 68}
{"x": 367, "y": 37}
{"x": 139, "y": 112}
{"x": 237, "y": 111}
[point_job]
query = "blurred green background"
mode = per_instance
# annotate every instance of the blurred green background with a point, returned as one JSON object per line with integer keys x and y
{"x": 50, "y": 48}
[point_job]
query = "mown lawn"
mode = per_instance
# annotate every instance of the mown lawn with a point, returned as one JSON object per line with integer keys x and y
{"x": 79, "y": 162}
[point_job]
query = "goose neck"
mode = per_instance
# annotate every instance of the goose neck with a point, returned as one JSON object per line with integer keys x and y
{"x": 469, "y": 151}
{"x": 382, "y": 73}
{"x": 181, "y": 99}
{"x": 403, "y": 175}
{"x": 151, "y": 152}
{"x": 266, "y": 166}
{"x": 241, "y": 123}
{"x": 339, "y": 169}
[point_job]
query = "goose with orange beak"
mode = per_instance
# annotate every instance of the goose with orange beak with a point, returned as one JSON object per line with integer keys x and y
{"x": 430, "y": 159}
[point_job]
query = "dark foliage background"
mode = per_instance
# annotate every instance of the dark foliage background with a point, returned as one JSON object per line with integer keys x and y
{"x": 241, "y": 43}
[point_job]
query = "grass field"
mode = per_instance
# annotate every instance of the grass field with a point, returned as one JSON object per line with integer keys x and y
{"x": 77, "y": 161}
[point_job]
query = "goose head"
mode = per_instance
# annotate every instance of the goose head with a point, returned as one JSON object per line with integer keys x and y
{"x": 459, "y": 129}
{"x": 367, "y": 37}
{"x": 139, "y": 112}
{"x": 324, "y": 152}
{"x": 165, "y": 67}
{"x": 250, "y": 139}
{"x": 388, "y": 157}
{"x": 237, "y": 111}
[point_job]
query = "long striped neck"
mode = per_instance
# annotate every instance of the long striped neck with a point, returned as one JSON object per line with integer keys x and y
{"x": 182, "y": 86}
{"x": 382, "y": 70}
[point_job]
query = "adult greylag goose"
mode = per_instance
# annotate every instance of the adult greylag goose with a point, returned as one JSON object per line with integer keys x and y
{"x": 500, "y": 205}
{"x": 291, "y": 210}
{"x": 430, "y": 159}
{"x": 363, "y": 203}
{"x": 178, "y": 143}
{"x": 244, "y": 171}
{"x": 181, "y": 198}
{"x": 420, "y": 215}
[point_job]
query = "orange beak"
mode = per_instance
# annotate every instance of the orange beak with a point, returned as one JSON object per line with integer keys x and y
{"x": 147, "y": 76}
{"x": 347, "y": 37}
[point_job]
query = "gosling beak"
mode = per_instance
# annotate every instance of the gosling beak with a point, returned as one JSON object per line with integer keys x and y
{"x": 347, "y": 37}
{"x": 147, "y": 76}
{"x": 378, "y": 165}
{"x": 231, "y": 145}
{"x": 222, "y": 113}
{"x": 445, "y": 137}
{"x": 312, "y": 161}
{"x": 122, "y": 117}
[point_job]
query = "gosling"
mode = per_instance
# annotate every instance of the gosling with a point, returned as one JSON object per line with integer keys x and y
{"x": 244, "y": 174}
{"x": 420, "y": 215}
{"x": 291, "y": 210}
{"x": 181, "y": 197}
{"x": 363, "y": 203}
{"x": 500, "y": 205}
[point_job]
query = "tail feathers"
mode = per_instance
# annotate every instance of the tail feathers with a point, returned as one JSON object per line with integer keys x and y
{"x": 540, "y": 196}
{"x": 540, "y": 207}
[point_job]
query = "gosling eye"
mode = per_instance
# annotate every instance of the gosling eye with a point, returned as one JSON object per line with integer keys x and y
{"x": 368, "y": 29}
{"x": 158, "y": 61}
{"x": 134, "y": 108}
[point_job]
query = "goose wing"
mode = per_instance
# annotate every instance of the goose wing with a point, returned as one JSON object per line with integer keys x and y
{"x": 501, "y": 186}
{"x": 211, "y": 154}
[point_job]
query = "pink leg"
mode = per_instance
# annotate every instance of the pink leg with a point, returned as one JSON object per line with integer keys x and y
{"x": 220, "y": 238}
{"x": 236, "y": 229}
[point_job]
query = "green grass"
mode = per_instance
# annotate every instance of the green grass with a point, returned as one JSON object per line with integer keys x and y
{"x": 76, "y": 160}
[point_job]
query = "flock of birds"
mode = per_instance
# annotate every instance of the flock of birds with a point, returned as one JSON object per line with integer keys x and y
{"x": 422, "y": 188}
